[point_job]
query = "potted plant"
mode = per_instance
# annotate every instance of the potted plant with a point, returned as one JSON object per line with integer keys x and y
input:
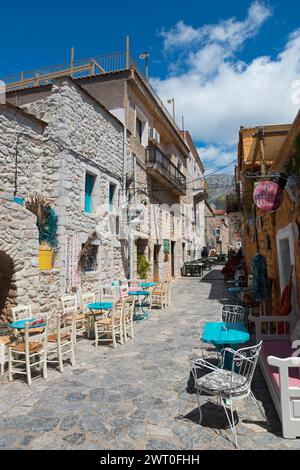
{"x": 143, "y": 267}
{"x": 46, "y": 222}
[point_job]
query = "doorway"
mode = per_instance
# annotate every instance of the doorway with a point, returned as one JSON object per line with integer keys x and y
{"x": 286, "y": 261}
{"x": 173, "y": 259}
{"x": 156, "y": 253}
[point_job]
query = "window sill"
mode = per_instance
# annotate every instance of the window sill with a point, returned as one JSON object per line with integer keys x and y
{"x": 90, "y": 273}
{"x": 92, "y": 215}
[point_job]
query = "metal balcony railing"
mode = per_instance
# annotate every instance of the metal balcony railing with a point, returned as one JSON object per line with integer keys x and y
{"x": 159, "y": 162}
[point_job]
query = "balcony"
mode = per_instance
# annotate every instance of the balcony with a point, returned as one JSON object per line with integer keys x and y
{"x": 164, "y": 171}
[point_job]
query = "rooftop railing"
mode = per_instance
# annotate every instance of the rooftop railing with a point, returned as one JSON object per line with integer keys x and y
{"x": 101, "y": 64}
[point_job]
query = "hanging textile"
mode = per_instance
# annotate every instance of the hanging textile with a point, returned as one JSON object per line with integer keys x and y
{"x": 261, "y": 286}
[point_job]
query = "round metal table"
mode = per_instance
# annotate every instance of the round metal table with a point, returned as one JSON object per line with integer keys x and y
{"x": 96, "y": 308}
{"x": 139, "y": 312}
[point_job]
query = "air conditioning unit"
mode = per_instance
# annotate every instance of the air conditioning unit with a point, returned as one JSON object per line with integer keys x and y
{"x": 154, "y": 136}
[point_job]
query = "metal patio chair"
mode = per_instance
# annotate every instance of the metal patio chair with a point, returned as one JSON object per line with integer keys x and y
{"x": 228, "y": 385}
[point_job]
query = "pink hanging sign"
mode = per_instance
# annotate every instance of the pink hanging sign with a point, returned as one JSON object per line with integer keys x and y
{"x": 268, "y": 196}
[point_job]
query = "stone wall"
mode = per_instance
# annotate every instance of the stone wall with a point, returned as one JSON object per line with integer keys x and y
{"x": 21, "y": 281}
{"x": 28, "y": 160}
{"x": 269, "y": 226}
{"x": 90, "y": 140}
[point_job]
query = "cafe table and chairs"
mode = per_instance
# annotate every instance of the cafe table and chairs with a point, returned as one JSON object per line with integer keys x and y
{"x": 96, "y": 309}
{"x": 139, "y": 312}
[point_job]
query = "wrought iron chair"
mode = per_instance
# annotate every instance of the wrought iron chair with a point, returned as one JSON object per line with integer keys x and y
{"x": 228, "y": 385}
{"x": 232, "y": 314}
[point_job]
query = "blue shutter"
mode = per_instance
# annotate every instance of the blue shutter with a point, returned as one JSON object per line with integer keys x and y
{"x": 89, "y": 182}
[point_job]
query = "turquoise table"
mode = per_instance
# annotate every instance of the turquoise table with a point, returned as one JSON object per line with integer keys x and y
{"x": 96, "y": 308}
{"x": 139, "y": 312}
{"x": 223, "y": 335}
{"x": 148, "y": 284}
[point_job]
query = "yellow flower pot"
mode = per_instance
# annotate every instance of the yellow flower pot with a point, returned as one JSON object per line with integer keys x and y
{"x": 45, "y": 258}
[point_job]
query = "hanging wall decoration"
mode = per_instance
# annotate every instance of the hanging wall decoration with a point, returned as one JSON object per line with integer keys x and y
{"x": 293, "y": 188}
{"x": 268, "y": 196}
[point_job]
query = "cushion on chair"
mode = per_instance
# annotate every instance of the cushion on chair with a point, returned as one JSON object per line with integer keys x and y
{"x": 283, "y": 350}
{"x": 34, "y": 346}
{"x": 104, "y": 321}
{"x": 215, "y": 382}
{"x": 79, "y": 316}
{"x": 4, "y": 339}
{"x": 53, "y": 337}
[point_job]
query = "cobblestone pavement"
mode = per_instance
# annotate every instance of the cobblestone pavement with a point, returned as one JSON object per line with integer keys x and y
{"x": 136, "y": 396}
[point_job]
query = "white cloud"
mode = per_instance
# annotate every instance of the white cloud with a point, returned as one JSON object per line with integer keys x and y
{"x": 216, "y": 157}
{"x": 230, "y": 32}
{"x": 217, "y": 92}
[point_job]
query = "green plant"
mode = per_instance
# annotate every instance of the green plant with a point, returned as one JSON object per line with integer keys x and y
{"x": 143, "y": 267}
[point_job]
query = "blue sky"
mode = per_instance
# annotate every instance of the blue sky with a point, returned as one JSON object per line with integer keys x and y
{"x": 226, "y": 63}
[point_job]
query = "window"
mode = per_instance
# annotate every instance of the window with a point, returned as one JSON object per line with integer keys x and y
{"x": 91, "y": 264}
{"x": 89, "y": 187}
{"x": 138, "y": 130}
{"x": 112, "y": 196}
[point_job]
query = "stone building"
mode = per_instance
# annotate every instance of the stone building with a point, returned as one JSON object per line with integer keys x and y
{"x": 62, "y": 143}
{"x": 123, "y": 179}
{"x": 156, "y": 173}
{"x": 265, "y": 151}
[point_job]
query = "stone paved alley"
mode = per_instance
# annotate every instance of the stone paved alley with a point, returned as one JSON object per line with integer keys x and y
{"x": 136, "y": 396}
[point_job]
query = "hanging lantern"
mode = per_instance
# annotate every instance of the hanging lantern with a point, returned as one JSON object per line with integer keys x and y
{"x": 268, "y": 196}
{"x": 293, "y": 188}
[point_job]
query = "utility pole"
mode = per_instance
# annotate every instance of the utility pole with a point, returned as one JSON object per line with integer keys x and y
{"x": 127, "y": 51}
{"x": 72, "y": 62}
{"x": 145, "y": 56}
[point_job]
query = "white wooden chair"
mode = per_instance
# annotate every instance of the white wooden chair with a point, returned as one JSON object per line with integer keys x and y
{"x": 70, "y": 310}
{"x": 60, "y": 340}
{"x": 21, "y": 312}
{"x": 109, "y": 293}
{"x": 128, "y": 313}
{"x": 228, "y": 385}
{"x": 4, "y": 342}
{"x": 88, "y": 298}
{"x": 159, "y": 296}
{"x": 134, "y": 284}
{"x": 232, "y": 314}
{"x": 168, "y": 293}
{"x": 31, "y": 352}
{"x": 110, "y": 328}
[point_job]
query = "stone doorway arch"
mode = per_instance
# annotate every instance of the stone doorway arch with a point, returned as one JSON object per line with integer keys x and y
{"x": 7, "y": 285}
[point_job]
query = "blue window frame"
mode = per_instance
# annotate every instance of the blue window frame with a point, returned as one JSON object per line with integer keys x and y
{"x": 89, "y": 186}
{"x": 112, "y": 191}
